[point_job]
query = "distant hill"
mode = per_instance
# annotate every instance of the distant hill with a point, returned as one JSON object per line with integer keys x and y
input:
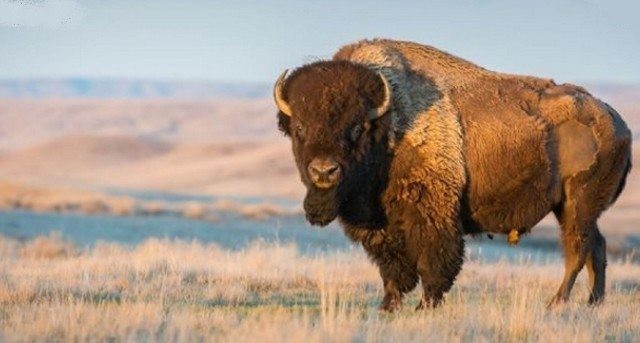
{"x": 124, "y": 88}
{"x": 232, "y": 168}
{"x": 26, "y": 121}
{"x": 137, "y": 134}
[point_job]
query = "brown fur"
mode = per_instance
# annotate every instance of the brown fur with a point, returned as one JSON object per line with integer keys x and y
{"x": 462, "y": 150}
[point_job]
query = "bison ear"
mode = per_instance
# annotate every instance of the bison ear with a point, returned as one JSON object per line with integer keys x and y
{"x": 284, "y": 123}
{"x": 387, "y": 99}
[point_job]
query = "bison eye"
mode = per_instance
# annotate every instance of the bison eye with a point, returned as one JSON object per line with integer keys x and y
{"x": 355, "y": 133}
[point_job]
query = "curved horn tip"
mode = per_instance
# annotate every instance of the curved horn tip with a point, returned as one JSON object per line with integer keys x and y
{"x": 283, "y": 75}
{"x": 283, "y": 106}
{"x": 386, "y": 103}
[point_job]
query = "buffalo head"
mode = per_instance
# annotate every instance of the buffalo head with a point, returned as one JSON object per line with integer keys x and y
{"x": 334, "y": 112}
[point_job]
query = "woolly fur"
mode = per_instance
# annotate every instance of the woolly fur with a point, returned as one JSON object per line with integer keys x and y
{"x": 478, "y": 151}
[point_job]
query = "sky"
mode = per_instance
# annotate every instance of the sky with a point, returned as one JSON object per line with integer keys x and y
{"x": 253, "y": 41}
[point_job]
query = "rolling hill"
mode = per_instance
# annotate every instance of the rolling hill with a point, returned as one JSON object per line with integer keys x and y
{"x": 110, "y": 134}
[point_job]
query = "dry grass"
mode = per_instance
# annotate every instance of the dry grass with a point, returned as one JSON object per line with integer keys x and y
{"x": 15, "y": 195}
{"x": 43, "y": 199}
{"x": 258, "y": 211}
{"x": 167, "y": 291}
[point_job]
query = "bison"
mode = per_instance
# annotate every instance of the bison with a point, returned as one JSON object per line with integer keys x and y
{"x": 411, "y": 148}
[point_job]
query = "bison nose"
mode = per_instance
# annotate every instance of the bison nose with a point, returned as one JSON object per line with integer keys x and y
{"x": 324, "y": 173}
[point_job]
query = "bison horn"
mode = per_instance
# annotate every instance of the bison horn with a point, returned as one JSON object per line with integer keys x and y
{"x": 386, "y": 103}
{"x": 277, "y": 94}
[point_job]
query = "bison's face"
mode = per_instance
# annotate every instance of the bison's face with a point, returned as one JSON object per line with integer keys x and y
{"x": 331, "y": 111}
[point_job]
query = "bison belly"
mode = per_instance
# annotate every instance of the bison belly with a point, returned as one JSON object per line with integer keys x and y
{"x": 512, "y": 174}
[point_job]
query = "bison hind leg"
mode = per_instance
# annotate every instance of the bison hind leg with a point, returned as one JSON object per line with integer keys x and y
{"x": 575, "y": 252}
{"x": 596, "y": 265}
{"x": 582, "y": 241}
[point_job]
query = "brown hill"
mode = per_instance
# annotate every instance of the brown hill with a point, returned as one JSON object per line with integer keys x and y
{"x": 253, "y": 168}
{"x": 246, "y": 168}
{"x": 26, "y": 122}
{"x": 214, "y": 146}
{"x": 76, "y": 158}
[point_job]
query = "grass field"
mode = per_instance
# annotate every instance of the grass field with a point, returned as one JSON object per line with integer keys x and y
{"x": 166, "y": 291}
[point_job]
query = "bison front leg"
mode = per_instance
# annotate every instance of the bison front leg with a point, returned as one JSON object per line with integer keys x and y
{"x": 398, "y": 273}
{"x": 438, "y": 265}
{"x": 428, "y": 214}
{"x": 435, "y": 241}
{"x": 398, "y": 277}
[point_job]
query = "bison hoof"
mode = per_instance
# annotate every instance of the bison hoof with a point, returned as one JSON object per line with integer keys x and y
{"x": 390, "y": 304}
{"x": 595, "y": 300}
{"x": 428, "y": 303}
{"x": 555, "y": 302}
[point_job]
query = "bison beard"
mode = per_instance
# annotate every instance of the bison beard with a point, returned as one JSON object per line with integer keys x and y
{"x": 320, "y": 206}
{"x": 357, "y": 199}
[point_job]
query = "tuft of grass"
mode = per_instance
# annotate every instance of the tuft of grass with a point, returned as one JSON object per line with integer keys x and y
{"x": 48, "y": 247}
{"x": 175, "y": 290}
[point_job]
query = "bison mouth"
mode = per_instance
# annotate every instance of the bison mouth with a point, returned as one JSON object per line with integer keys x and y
{"x": 320, "y": 206}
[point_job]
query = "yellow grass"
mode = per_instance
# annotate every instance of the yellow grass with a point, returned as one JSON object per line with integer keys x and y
{"x": 165, "y": 291}
{"x": 45, "y": 199}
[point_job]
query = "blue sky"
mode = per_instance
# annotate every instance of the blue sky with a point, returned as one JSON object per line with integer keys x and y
{"x": 573, "y": 41}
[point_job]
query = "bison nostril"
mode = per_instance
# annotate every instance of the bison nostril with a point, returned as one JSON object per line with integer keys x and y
{"x": 330, "y": 170}
{"x": 324, "y": 171}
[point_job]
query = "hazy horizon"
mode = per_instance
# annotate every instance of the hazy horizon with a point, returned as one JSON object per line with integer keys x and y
{"x": 252, "y": 42}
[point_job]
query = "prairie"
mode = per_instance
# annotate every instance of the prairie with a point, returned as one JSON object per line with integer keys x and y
{"x": 114, "y": 176}
{"x": 164, "y": 290}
